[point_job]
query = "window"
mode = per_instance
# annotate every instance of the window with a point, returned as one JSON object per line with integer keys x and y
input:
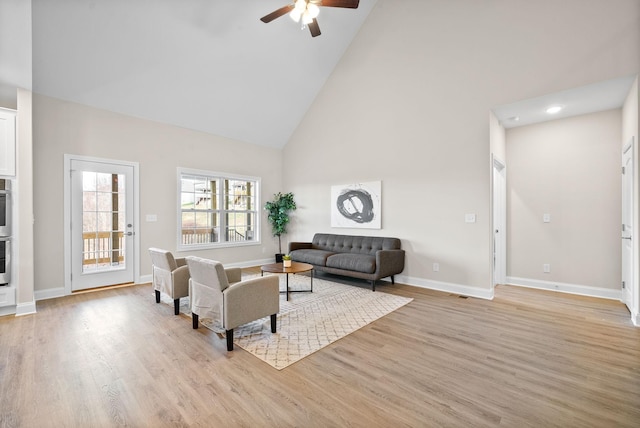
{"x": 217, "y": 209}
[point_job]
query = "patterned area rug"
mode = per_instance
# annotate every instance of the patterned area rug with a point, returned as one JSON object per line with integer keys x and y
{"x": 310, "y": 321}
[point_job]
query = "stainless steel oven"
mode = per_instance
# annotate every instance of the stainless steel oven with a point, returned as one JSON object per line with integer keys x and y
{"x": 5, "y": 207}
{"x": 5, "y": 260}
{"x": 5, "y": 231}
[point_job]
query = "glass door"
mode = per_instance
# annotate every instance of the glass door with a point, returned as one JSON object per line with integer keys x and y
{"x": 102, "y": 244}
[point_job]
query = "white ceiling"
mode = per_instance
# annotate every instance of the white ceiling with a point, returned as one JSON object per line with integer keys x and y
{"x": 213, "y": 66}
{"x": 207, "y": 65}
{"x": 601, "y": 96}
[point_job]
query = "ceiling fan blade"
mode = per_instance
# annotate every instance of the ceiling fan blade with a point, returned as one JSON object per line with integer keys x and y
{"x": 314, "y": 28}
{"x": 351, "y": 4}
{"x": 277, "y": 13}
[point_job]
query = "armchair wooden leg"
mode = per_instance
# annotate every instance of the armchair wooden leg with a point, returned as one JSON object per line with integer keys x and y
{"x": 194, "y": 318}
{"x": 373, "y": 285}
{"x": 273, "y": 323}
{"x": 176, "y": 306}
{"x": 392, "y": 280}
{"x": 157, "y": 296}
{"x": 230, "y": 340}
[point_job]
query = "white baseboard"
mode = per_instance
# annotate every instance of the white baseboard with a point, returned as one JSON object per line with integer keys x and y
{"x": 7, "y": 310}
{"x": 448, "y": 287}
{"x": 52, "y": 293}
{"x": 252, "y": 263}
{"x": 563, "y": 287}
{"x": 25, "y": 308}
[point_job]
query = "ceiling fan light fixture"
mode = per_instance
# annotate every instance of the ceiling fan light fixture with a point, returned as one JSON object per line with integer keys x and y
{"x": 295, "y": 15}
{"x": 299, "y": 8}
{"x": 312, "y": 10}
{"x": 307, "y": 11}
{"x": 304, "y": 10}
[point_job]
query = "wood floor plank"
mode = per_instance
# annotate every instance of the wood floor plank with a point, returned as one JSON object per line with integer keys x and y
{"x": 527, "y": 358}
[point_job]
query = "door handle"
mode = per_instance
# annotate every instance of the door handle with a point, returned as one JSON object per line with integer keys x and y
{"x": 131, "y": 234}
{"x": 627, "y": 237}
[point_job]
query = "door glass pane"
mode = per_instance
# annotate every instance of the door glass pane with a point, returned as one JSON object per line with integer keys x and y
{"x": 103, "y": 221}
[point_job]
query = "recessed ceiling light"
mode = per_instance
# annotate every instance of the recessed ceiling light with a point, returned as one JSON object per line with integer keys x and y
{"x": 514, "y": 118}
{"x": 553, "y": 109}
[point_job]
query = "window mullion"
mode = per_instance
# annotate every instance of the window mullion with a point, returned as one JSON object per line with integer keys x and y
{"x": 222, "y": 209}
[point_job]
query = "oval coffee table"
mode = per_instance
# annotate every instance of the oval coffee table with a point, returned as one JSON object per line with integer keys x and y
{"x": 296, "y": 267}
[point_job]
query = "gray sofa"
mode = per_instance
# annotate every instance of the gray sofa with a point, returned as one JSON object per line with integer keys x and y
{"x": 364, "y": 257}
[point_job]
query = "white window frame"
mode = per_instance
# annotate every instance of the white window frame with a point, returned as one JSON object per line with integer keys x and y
{"x": 217, "y": 176}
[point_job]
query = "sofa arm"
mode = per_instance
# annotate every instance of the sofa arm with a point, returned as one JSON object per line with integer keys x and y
{"x": 299, "y": 246}
{"x": 389, "y": 262}
{"x": 250, "y": 300}
{"x": 180, "y": 279}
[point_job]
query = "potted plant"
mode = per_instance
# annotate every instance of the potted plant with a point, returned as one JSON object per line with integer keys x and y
{"x": 278, "y": 215}
{"x": 286, "y": 260}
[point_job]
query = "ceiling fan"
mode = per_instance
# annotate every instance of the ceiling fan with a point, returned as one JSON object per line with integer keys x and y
{"x": 306, "y": 11}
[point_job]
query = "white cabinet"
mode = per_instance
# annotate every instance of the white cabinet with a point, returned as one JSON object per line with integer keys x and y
{"x": 7, "y": 142}
{"x": 7, "y": 296}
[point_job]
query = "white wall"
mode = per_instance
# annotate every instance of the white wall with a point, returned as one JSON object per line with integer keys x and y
{"x": 15, "y": 86}
{"x": 24, "y": 238}
{"x": 15, "y": 50}
{"x": 497, "y": 138}
{"x": 66, "y": 128}
{"x": 408, "y": 105}
{"x": 570, "y": 169}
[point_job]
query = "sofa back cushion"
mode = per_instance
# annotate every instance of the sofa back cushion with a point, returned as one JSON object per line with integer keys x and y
{"x": 353, "y": 243}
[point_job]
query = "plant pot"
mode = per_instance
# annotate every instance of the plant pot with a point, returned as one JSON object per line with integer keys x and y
{"x": 286, "y": 263}
{"x": 279, "y": 257}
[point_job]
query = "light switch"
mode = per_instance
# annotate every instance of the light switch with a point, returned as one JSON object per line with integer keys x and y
{"x": 469, "y": 218}
{"x": 546, "y": 218}
{"x": 152, "y": 217}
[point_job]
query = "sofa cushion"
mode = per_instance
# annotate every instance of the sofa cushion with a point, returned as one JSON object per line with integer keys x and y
{"x": 314, "y": 257}
{"x": 353, "y": 262}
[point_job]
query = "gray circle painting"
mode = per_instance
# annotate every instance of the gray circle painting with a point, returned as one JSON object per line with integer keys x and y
{"x": 356, "y": 205}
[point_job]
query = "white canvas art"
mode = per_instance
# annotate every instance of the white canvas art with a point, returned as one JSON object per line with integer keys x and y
{"x": 357, "y": 205}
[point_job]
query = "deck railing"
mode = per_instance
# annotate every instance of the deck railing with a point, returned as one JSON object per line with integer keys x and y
{"x": 206, "y": 235}
{"x": 98, "y": 247}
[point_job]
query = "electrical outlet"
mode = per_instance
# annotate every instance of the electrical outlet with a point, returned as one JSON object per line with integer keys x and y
{"x": 546, "y": 268}
{"x": 436, "y": 267}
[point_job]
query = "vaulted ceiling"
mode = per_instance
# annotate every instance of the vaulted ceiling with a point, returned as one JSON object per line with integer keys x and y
{"x": 207, "y": 65}
{"x": 211, "y": 65}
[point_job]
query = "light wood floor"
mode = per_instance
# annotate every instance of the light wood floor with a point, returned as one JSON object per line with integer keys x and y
{"x": 527, "y": 358}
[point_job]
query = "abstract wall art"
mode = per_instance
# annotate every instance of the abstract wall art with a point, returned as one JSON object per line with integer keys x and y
{"x": 357, "y": 205}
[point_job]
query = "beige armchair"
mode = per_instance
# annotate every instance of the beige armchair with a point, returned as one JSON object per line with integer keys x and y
{"x": 170, "y": 276}
{"x": 219, "y": 293}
